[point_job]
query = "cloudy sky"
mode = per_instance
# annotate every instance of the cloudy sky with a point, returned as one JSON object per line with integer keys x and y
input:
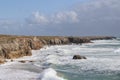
{"x": 60, "y": 17}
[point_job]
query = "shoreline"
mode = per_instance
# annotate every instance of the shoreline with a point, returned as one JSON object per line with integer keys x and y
{"x": 33, "y": 68}
{"x": 28, "y": 70}
{"x": 18, "y": 46}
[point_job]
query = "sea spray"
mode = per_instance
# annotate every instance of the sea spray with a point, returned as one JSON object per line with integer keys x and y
{"x": 117, "y": 50}
{"x": 49, "y": 74}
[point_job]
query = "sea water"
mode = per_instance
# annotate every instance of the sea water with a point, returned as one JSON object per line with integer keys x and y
{"x": 56, "y": 63}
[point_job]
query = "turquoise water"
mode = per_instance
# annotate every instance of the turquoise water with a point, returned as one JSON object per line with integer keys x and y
{"x": 56, "y": 63}
{"x": 89, "y": 75}
{"x": 102, "y": 63}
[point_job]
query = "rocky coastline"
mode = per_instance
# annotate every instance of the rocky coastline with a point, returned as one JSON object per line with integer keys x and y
{"x": 18, "y": 46}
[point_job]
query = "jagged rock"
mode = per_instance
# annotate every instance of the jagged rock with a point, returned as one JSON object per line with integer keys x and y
{"x": 79, "y": 40}
{"x": 11, "y": 60}
{"x": 19, "y": 46}
{"x": 22, "y": 61}
{"x": 79, "y": 57}
{"x": 43, "y": 42}
{"x": 31, "y": 61}
{"x": 35, "y": 43}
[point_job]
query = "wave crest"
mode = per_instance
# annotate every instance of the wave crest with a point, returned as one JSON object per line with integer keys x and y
{"x": 49, "y": 74}
{"x": 117, "y": 51}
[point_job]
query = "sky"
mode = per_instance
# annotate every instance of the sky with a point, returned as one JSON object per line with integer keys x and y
{"x": 22, "y": 8}
{"x": 60, "y": 17}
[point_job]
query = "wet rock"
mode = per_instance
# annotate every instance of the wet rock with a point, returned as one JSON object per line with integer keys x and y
{"x": 31, "y": 61}
{"x": 22, "y": 61}
{"x": 11, "y": 60}
{"x": 79, "y": 57}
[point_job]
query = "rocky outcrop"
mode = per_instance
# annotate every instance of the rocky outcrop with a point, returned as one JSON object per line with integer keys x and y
{"x": 54, "y": 40}
{"x": 79, "y": 57}
{"x": 100, "y": 37}
{"x": 19, "y": 46}
{"x": 78, "y": 40}
{"x": 22, "y": 61}
{"x": 14, "y": 50}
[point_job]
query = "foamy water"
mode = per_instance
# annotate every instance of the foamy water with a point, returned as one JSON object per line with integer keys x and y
{"x": 117, "y": 51}
{"x": 49, "y": 74}
{"x": 56, "y": 63}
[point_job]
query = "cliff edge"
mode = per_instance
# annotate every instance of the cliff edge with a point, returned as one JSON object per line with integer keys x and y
{"x": 19, "y": 46}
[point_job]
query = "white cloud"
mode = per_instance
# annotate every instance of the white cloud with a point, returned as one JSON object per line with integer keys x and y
{"x": 66, "y": 17}
{"x": 60, "y": 17}
{"x": 74, "y": 16}
{"x": 97, "y": 4}
{"x": 88, "y": 11}
{"x": 98, "y": 9}
{"x": 5, "y": 22}
{"x": 93, "y": 17}
{"x": 37, "y": 18}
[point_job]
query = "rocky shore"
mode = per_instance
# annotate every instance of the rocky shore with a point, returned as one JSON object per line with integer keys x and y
{"x": 18, "y": 46}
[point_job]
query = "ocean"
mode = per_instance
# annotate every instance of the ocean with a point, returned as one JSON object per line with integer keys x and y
{"x": 56, "y": 63}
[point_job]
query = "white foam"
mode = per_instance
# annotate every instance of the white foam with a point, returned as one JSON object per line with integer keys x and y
{"x": 13, "y": 74}
{"x": 49, "y": 74}
{"x": 117, "y": 51}
{"x": 52, "y": 58}
{"x": 97, "y": 59}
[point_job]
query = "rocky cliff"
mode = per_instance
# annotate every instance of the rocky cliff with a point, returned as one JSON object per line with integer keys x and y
{"x": 19, "y": 46}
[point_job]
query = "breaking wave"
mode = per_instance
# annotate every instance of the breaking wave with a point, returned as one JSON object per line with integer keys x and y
{"x": 117, "y": 51}
{"x": 49, "y": 74}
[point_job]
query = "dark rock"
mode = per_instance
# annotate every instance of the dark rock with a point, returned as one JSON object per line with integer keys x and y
{"x": 31, "y": 61}
{"x": 57, "y": 51}
{"x": 22, "y": 61}
{"x": 79, "y": 57}
{"x": 78, "y": 40}
{"x": 12, "y": 60}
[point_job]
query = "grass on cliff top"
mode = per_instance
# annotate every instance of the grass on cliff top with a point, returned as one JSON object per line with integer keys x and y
{"x": 10, "y": 38}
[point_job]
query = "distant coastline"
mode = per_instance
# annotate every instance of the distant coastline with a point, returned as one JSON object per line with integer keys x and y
{"x": 12, "y": 46}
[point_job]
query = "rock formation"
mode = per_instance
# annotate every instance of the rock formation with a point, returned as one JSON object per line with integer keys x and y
{"x": 79, "y": 57}
{"x": 19, "y": 46}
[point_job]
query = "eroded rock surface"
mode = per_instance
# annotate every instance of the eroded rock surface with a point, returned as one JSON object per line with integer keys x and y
{"x": 19, "y": 46}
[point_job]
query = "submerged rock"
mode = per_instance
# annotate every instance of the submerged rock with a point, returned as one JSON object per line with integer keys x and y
{"x": 79, "y": 57}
